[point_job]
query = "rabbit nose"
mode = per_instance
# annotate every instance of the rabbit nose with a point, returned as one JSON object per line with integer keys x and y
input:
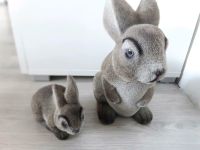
{"x": 75, "y": 130}
{"x": 159, "y": 72}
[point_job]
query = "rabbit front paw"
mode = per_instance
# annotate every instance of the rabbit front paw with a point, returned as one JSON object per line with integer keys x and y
{"x": 60, "y": 134}
{"x": 105, "y": 113}
{"x": 143, "y": 116}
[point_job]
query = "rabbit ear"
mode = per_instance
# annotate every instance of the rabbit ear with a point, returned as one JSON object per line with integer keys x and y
{"x": 57, "y": 96}
{"x": 118, "y": 16}
{"x": 71, "y": 91}
{"x": 148, "y": 12}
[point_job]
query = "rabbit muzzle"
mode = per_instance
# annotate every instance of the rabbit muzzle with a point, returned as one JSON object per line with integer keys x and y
{"x": 151, "y": 73}
{"x": 158, "y": 73}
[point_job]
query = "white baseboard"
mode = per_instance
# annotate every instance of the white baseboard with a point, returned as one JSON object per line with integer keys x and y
{"x": 81, "y": 72}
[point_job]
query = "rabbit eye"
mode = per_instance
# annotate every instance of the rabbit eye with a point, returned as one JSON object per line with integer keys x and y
{"x": 64, "y": 121}
{"x": 129, "y": 53}
{"x": 64, "y": 124}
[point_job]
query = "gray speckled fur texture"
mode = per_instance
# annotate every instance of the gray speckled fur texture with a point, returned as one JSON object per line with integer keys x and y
{"x": 53, "y": 103}
{"x": 126, "y": 85}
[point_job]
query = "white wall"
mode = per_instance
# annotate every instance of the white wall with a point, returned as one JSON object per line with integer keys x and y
{"x": 190, "y": 81}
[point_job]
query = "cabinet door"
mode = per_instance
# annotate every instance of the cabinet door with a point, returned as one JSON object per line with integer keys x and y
{"x": 67, "y": 37}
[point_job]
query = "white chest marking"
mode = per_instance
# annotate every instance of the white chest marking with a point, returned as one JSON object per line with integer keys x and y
{"x": 130, "y": 93}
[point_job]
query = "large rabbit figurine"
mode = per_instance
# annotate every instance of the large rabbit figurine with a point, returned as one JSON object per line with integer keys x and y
{"x": 124, "y": 86}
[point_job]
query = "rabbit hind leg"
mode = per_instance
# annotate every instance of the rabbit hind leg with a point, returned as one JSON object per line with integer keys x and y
{"x": 143, "y": 116}
{"x": 36, "y": 109}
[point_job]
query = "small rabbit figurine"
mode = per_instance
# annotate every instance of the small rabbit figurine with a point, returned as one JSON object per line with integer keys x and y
{"x": 124, "y": 86}
{"x": 59, "y": 108}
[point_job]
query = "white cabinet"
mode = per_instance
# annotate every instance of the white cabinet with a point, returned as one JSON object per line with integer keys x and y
{"x": 67, "y": 37}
